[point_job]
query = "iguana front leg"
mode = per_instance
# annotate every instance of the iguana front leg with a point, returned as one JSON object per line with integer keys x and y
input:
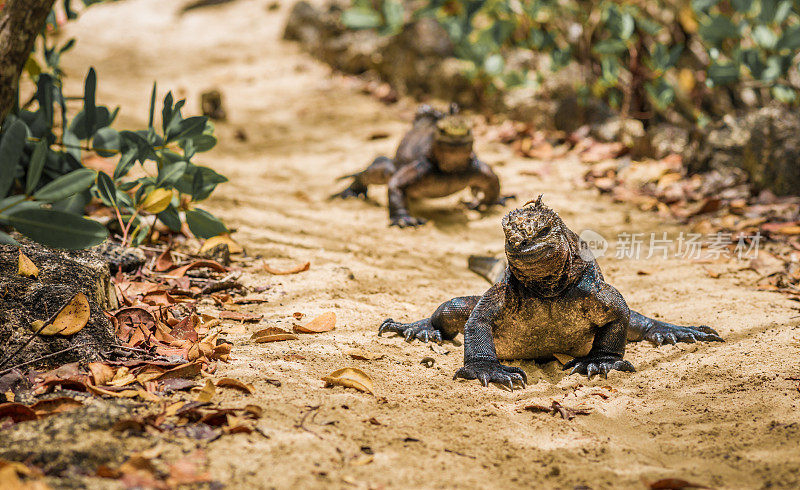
{"x": 609, "y": 341}
{"x": 480, "y": 356}
{"x": 398, "y": 202}
{"x": 486, "y": 184}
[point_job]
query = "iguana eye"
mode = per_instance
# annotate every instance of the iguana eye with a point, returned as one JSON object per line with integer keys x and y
{"x": 543, "y": 231}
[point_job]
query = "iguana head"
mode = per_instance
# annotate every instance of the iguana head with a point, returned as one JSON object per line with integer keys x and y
{"x": 452, "y": 143}
{"x": 542, "y": 252}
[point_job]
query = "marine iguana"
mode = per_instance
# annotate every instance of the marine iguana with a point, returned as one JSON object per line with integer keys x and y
{"x": 549, "y": 299}
{"x": 434, "y": 159}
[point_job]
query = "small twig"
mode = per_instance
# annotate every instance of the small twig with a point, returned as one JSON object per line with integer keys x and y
{"x": 30, "y": 339}
{"x": 299, "y": 425}
{"x": 41, "y": 358}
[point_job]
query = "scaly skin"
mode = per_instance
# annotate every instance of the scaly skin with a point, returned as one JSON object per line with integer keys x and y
{"x": 547, "y": 300}
{"x": 434, "y": 159}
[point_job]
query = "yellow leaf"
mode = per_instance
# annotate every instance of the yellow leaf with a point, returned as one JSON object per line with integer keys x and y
{"x": 350, "y": 378}
{"x": 212, "y": 242}
{"x": 688, "y": 20}
{"x": 686, "y": 80}
{"x": 26, "y": 266}
{"x": 32, "y": 67}
{"x": 70, "y": 320}
{"x": 206, "y": 393}
{"x": 157, "y": 200}
{"x": 101, "y": 373}
{"x": 235, "y": 383}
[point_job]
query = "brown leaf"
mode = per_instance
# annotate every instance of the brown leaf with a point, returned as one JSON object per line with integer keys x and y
{"x": 185, "y": 329}
{"x": 101, "y": 373}
{"x": 362, "y": 355}
{"x": 602, "y": 151}
{"x": 323, "y": 323}
{"x": 211, "y": 264}
{"x": 70, "y": 320}
{"x": 186, "y": 471}
{"x": 294, "y": 270}
{"x": 351, "y": 378}
{"x": 188, "y": 370}
{"x": 52, "y": 406}
{"x": 272, "y": 334}
{"x": 236, "y": 384}
{"x": 239, "y": 316}
{"x": 17, "y": 412}
{"x": 123, "y": 377}
{"x": 672, "y": 484}
{"x": 165, "y": 262}
{"x": 26, "y": 266}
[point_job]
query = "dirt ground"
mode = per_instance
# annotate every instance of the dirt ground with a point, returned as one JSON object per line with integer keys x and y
{"x": 723, "y": 414}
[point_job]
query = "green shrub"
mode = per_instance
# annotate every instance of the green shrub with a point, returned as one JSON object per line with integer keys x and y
{"x": 44, "y": 186}
{"x": 693, "y": 59}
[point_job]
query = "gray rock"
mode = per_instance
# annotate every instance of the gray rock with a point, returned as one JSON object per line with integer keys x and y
{"x": 62, "y": 275}
{"x": 765, "y": 143}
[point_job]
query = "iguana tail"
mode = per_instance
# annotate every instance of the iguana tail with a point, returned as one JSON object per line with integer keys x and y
{"x": 489, "y": 268}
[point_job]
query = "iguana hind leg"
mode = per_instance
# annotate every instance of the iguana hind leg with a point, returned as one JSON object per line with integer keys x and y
{"x": 445, "y": 323}
{"x": 378, "y": 173}
{"x": 659, "y": 333}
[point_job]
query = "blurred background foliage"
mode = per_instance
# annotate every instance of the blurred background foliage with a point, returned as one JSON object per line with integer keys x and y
{"x": 678, "y": 60}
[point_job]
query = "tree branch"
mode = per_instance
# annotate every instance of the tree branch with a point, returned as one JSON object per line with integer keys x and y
{"x": 20, "y": 23}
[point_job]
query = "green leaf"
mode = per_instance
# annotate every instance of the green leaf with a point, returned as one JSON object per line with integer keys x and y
{"x": 126, "y": 161}
{"x": 170, "y": 172}
{"x": 171, "y": 218}
{"x": 703, "y": 5}
{"x": 393, "y": 13}
{"x": 203, "y": 224}
{"x": 38, "y": 160}
{"x": 717, "y": 29}
{"x": 189, "y": 127}
{"x": 90, "y": 87}
{"x": 73, "y": 144}
{"x": 784, "y": 94}
{"x": 11, "y": 147}
{"x": 166, "y": 112}
{"x": 66, "y": 185}
{"x": 361, "y": 18}
{"x": 790, "y": 39}
{"x": 107, "y": 190}
{"x": 610, "y": 46}
{"x": 152, "y": 106}
{"x": 722, "y": 73}
{"x": 106, "y": 142}
{"x": 5, "y": 239}
{"x": 58, "y": 229}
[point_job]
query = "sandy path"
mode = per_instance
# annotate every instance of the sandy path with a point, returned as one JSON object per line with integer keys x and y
{"x": 723, "y": 415}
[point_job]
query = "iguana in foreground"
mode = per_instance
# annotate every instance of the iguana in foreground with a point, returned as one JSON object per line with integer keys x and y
{"x": 547, "y": 300}
{"x": 434, "y": 159}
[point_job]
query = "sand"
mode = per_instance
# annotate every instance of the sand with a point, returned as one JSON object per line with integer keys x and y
{"x": 722, "y": 414}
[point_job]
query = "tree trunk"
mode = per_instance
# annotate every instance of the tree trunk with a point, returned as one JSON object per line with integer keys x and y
{"x": 20, "y": 23}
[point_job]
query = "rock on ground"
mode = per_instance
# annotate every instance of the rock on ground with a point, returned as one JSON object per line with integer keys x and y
{"x": 62, "y": 275}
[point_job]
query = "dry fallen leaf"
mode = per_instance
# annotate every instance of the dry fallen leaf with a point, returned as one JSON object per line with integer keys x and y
{"x": 294, "y": 270}
{"x": 272, "y": 334}
{"x": 52, "y": 406}
{"x": 26, "y": 266}
{"x": 17, "y": 412}
{"x": 239, "y": 316}
{"x": 206, "y": 393}
{"x": 212, "y": 242}
{"x": 181, "y": 271}
{"x": 351, "y": 378}
{"x": 323, "y": 323}
{"x": 235, "y": 383}
{"x": 164, "y": 262}
{"x": 71, "y": 319}
{"x": 101, "y": 373}
{"x": 672, "y": 484}
{"x": 556, "y": 408}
